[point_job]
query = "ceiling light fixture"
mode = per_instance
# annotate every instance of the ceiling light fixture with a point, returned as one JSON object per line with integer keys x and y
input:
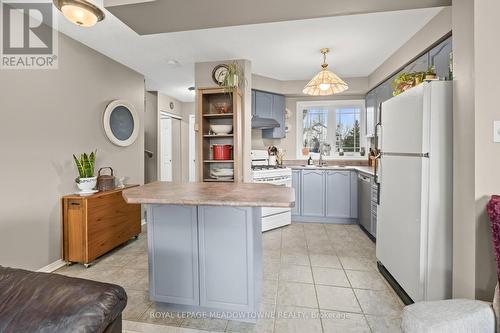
{"x": 80, "y": 12}
{"x": 325, "y": 82}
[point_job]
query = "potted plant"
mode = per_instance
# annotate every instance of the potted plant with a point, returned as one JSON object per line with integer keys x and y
{"x": 234, "y": 76}
{"x": 431, "y": 73}
{"x": 86, "y": 182}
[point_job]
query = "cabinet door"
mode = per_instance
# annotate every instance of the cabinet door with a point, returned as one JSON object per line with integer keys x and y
{"x": 439, "y": 56}
{"x": 278, "y": 114}
{"x": 263, "y": 104}
{"x": 253, "y": 103}
{"x": 227, "y": 257}
{"x": 313, "y": 193}
{"x": 296, "y": 186}
{"x": 338, "y": 194}
{"x": 354, "y": 194}
{"x": 173, "y": 230}
{"x": 370, "y": 107}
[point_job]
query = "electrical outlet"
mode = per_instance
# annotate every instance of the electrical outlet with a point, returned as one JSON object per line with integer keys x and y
{"x": 496, "y": 131}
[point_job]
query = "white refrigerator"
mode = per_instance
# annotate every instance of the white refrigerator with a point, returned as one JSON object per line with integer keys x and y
{"x": 414, "y": 231}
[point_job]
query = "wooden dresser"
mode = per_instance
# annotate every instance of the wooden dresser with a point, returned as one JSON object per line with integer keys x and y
{"x": 93, "y": 225}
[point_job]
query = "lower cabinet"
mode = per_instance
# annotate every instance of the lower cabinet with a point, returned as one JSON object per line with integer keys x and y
{"x": 223, "y": 288}
{"x": 313, "y": 188}
{"x": 179, "y": 238}
{"x": 205, "y": 256}
{"x": 325, "y": 196}
{"x": 338, "y": 193}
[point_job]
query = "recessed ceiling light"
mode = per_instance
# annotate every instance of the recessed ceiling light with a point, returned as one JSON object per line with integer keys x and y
{"x": 172, "y": 62}
{"x": 80, "y": 12}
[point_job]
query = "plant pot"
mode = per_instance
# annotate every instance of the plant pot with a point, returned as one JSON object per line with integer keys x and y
{"x": 430, "y": 76}
{"x": 232, "y": 80}
{"x": 87, "y": 184}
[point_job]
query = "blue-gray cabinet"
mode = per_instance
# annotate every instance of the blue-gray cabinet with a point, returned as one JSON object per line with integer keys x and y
{"x": 269, "y": 105}
{"x": 439, "y": 57}
{"x": 296, "y": 182}
{"x": 327, "y": 196}
{"x": 338, "y": 194}
{"x": 313, "y": 190}
{"x": 181, "y": 270}
{"x": 221, "y": 288}
{"x": 254, "y": 112}
{"x": 263, "y": 104}
{"x": 207, "y": 257}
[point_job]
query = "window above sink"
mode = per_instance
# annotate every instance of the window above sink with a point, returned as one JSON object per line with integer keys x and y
{"x": 331, "y": 127}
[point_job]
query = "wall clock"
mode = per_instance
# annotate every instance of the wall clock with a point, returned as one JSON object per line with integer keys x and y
{"x": 121, "y": 123}
{"x": 219, "y": 73}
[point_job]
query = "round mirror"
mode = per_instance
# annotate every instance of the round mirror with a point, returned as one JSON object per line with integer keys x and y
{"x": 121, "y": 123}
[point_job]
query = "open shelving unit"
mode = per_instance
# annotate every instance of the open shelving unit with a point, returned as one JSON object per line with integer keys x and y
{"x": 207, "y": 114}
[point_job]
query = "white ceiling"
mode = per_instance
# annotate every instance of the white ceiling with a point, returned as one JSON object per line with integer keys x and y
{"x": 283, "y": 50}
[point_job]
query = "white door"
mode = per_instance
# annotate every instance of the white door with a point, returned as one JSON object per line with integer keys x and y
{"x": 405, "y": 123}
{"x": 166, "y": 149}
{"x": 192, "y": 149}
{"x": 402, "y": 219}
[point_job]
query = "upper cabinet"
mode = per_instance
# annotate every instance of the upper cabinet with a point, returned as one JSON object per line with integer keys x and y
{"x": 439, "y": 57}
{"x": 263, "y": 104}
{"x": 268, "y": 105}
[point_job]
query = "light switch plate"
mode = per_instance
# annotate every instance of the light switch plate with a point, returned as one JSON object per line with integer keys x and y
{"x": 496, "y": 131}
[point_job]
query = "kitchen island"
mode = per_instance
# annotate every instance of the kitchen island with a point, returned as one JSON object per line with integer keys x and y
{"x": 205, "y": 244}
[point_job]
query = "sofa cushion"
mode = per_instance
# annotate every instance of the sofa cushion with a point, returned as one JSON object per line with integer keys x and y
{"x": 44, "y": 302}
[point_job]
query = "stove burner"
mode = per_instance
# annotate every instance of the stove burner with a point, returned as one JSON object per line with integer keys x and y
{"x": 266, "y": 167}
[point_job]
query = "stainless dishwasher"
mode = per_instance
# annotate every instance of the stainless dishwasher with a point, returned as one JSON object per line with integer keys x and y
{"x": 365, "y": 202}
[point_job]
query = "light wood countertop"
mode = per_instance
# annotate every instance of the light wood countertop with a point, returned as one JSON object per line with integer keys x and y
{"x": 211, "y": 194}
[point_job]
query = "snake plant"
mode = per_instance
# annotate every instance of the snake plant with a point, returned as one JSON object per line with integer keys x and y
{"x": 85, "y": 164}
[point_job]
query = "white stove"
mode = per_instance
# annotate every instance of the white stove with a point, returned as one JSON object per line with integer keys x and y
{"x": 262, "y": 172}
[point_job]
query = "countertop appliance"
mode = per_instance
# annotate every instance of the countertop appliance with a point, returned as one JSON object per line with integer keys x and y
{"x": 414, "y": 227}
{"x": 262, "y": 172}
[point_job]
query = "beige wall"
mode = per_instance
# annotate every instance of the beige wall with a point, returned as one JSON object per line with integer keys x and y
{"x": 464, "y": 228}
{"x": 157, "y": 102}
{"x": 203, "y": 79}
{"x": 47, "y": 115}
{"x": 187, "y": 110}
{"x": 475, "y": 50}
{"x": 151, "y": 136}
{"x": 487, "y": 156}
{"x": 438, "y": 26}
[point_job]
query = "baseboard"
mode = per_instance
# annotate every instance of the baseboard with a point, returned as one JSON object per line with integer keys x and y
{"x": 314, "y": 219}
{"x": 52, "y": 267}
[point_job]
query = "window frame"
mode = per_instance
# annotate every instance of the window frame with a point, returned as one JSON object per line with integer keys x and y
{"x": 330, "y": 104}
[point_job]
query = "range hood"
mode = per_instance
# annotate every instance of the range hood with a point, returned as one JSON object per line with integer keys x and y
{"x": 264, "y": 123}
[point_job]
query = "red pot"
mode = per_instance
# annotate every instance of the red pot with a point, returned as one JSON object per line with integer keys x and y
{"x": 222, "y": 152}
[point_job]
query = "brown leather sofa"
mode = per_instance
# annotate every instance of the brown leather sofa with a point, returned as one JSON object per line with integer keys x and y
{"x": 43, "y": 302}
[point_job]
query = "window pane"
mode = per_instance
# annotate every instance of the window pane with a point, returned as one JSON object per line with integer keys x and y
{"x": 347, "y": 134}
{"x": 315, "y": 131}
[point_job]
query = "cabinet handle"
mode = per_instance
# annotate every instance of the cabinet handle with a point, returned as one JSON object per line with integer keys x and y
{"x": 75, "y": 204}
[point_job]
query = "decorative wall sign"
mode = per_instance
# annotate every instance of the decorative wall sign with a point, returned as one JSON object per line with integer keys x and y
{"x": 121, "y": 123}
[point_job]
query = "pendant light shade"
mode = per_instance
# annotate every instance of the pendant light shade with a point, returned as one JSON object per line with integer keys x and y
{"x": 325, "y": 82}
{"x": 80, "y": 12}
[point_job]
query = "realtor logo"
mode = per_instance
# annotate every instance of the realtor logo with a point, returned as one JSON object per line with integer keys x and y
{"x": 28, "y": 35}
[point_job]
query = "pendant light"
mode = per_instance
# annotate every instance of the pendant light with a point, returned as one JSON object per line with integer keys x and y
{"x": 80, "y": 12}
{"x": 325, "y": 82}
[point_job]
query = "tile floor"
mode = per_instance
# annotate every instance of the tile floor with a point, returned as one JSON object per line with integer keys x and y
{"x": 317, "y": 278}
